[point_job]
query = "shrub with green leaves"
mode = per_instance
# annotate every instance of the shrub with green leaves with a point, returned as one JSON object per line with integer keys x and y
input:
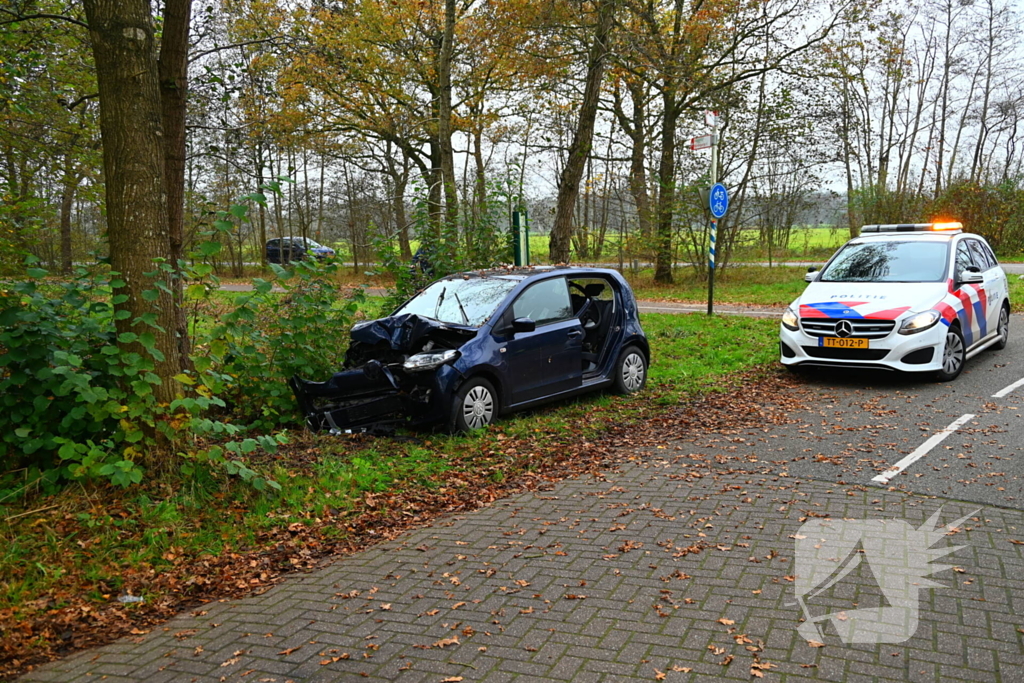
{"x": 70, "y": 398}
{"x": 299, "y": 327}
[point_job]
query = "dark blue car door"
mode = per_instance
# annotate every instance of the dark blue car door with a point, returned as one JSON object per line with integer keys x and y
{"x": 547, "y": 361}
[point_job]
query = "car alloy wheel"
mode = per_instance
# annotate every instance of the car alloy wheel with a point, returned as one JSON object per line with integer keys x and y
{"x": 1004, "y": 329}
{"x": 478, "y": 407}
{"x": 633, "y": 372}
{"x": 953, "y": 356}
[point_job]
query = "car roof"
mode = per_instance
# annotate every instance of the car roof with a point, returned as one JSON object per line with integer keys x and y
{"x": 906, "y": 237}
{"x": 523, "y": 273}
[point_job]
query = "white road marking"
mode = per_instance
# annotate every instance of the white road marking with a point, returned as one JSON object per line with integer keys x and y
{"x": 1003, "y": 392}
{"x": 922, "y": 450}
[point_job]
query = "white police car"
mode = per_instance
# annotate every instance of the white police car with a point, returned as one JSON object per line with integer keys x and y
{"x": 916, "y": 298}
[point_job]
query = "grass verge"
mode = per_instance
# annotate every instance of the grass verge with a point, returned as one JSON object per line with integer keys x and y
{"x": 752, "y": 285}
{"x": 67, "y": 558}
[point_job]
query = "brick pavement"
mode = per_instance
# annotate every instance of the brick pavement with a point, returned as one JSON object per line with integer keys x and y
{"x": 601, "y": 579}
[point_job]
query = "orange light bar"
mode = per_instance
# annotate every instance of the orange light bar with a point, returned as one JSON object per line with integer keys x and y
{"x": 951, "y": 225}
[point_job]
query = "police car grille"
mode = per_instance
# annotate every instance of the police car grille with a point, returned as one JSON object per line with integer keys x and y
{"x": 864, "y": 329}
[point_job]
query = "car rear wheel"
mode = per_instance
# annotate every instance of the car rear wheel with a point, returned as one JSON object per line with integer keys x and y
{"x": 630, "y": 371}
{"x": 953, "y": 355}
{"x": 1004, "y": 329}
{"x": 475, "y": 405}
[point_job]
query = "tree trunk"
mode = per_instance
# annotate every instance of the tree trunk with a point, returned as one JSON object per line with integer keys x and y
{"x": 121, "y": 32}
{"x": 579, "y": 148}
{"x": 173, "y": 71}
{"x": 444, "y": 124}
{"x": 667, "y": 193}
{"x": 72, "y": 177}
{"x": 638, "y": 161}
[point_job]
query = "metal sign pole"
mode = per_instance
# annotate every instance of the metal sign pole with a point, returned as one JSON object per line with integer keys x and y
{"x": 714, "y": 220}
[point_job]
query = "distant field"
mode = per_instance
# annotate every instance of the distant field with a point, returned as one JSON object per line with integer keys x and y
{"x": 754, "y": 285}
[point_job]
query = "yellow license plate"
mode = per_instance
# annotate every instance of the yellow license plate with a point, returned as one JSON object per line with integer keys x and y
{"x": 847, "y": 343}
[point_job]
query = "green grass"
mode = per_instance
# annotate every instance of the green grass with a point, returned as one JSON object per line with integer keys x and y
{"x": 97, "y": 542}
{"x": 1016, "y": 293}
{"x": 755, "y": 285}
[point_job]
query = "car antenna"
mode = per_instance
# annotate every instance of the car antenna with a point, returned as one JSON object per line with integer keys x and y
{"x": 462, "y": 310}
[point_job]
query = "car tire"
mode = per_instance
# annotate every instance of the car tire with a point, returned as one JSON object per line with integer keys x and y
{"x": 954, "y": 355}
{"x": 630, "y": 373}
{"x": 475, "y": 406}
{"x": 1004, "y": 328}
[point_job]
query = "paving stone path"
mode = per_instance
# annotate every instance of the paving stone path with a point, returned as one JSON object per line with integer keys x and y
{"x": 657, "y": 569}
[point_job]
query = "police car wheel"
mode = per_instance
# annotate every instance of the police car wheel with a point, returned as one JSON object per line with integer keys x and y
{"x": 954, "y": 355}
{"x": 1004, "y": 329}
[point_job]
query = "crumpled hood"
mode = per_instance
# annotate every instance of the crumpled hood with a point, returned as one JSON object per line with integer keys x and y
{"x": 403, "y": 332}
{"x": 872, "y": 300}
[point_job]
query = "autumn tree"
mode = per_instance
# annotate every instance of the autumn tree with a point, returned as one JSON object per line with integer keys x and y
{"x": 583, "y": 133}
{"x": 691, "y": 54}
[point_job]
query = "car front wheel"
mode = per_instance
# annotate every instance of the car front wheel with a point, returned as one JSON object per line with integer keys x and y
{"x": 953, "y": 355}
{"x": 630, "y": 371}
{"x": 475, "y": 405}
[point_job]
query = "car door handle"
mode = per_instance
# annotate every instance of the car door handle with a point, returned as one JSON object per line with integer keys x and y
{"x": 575, "y": 333}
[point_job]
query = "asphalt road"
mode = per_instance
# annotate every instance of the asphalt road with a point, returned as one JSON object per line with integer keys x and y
{"x": 855, "y": 426}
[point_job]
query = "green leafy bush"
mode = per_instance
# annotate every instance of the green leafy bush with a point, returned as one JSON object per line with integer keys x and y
{"x": 70, "y": 398}
{"x": 299, "y": 327}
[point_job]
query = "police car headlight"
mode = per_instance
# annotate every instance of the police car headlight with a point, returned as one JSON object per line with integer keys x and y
{"x": 790, "y": 321}
{"x": 919, "y": 322}
{"x": 429, "y": 361}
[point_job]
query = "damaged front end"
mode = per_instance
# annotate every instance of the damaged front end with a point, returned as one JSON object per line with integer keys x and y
{"x": 396, "y": 370}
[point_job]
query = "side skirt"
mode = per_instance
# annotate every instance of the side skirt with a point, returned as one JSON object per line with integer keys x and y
{"x": 982, "y": 345}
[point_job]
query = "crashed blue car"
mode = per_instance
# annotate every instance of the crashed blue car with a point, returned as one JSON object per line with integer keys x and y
{"x": 472, "y": 346}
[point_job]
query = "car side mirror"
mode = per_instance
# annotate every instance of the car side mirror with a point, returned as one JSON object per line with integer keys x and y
{"x": 523, "y": 325}
{"x": 969, "y": 277}
{"x": 811, "y": 275}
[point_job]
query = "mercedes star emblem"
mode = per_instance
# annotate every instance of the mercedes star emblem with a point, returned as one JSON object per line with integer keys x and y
{"x": 844, "y": 329}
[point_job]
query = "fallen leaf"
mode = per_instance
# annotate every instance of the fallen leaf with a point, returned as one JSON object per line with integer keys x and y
{"x": 726, "y": 622}
{"x": 290, "y": 650}
{"x": 815, "y": 643}
{"x": 659, "y": 675}
{"x": 445, "y": 642}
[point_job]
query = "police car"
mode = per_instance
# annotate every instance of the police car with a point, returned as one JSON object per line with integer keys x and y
{"x": 916, "y": 298}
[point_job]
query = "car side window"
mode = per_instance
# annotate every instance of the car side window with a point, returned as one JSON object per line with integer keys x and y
{"x": 545, "y": 302}
{"x": 991, "y": 256}
{"x": 980, "y": 257}
{"x": 963, "y": 260}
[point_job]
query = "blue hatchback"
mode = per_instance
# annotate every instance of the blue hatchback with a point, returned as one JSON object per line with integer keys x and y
{"x": 474, "y": 345}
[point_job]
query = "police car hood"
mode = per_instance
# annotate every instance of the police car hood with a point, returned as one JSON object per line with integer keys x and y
{"x": 871, "y": 300}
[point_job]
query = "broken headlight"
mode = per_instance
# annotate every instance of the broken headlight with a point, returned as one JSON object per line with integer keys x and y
{"x": 429, "y": 361}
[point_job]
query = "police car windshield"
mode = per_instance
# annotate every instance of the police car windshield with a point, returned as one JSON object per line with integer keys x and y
{"x": 889, "y": 261}
{"x": 461, "y": 302}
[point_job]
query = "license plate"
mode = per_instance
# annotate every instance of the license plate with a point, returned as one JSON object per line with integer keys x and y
{"x": 847, "y": 343}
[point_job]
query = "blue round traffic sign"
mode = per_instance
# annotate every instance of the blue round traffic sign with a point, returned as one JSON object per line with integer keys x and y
{"x": 718, "y": 200}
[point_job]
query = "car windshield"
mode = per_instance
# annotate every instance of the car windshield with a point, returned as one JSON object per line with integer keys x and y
{"x": 310, "y": 244}
{"x": 460, "y": 301}
{"x": 887, "y": 261}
